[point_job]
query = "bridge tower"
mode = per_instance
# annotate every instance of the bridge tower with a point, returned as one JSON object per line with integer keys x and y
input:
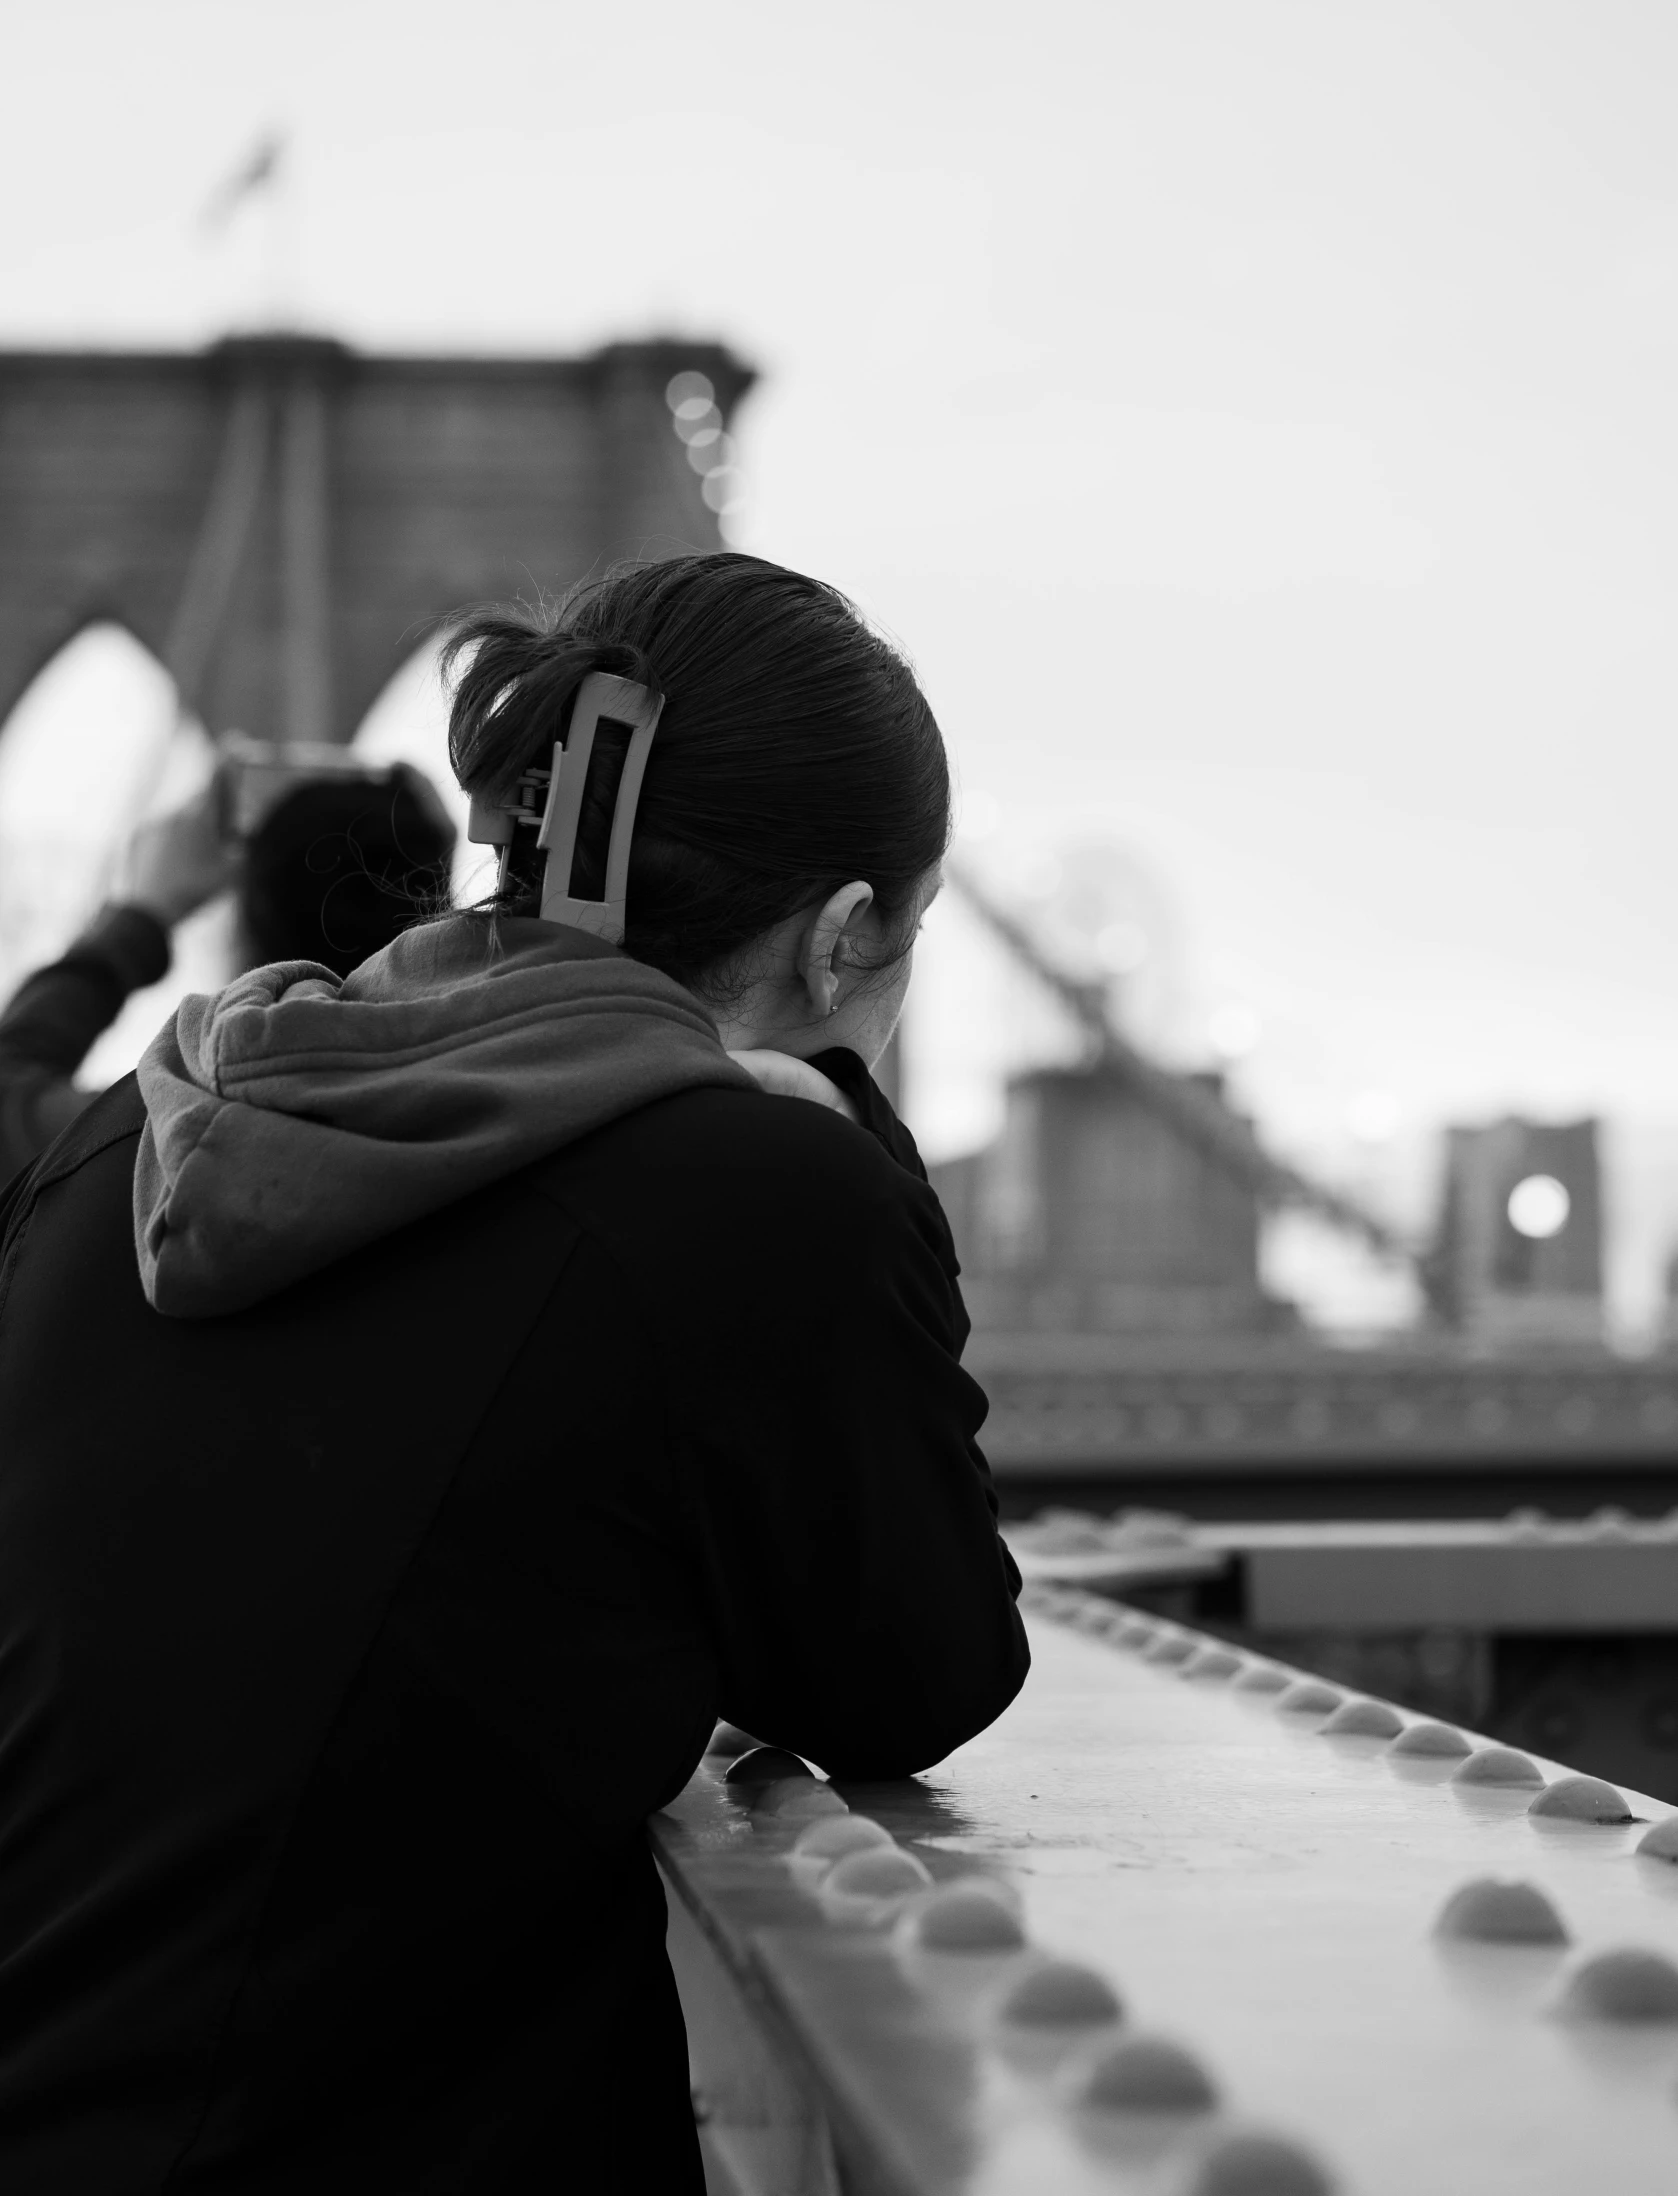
{"x": 1518, "y": 1260}
{"x": 280, "y": 518}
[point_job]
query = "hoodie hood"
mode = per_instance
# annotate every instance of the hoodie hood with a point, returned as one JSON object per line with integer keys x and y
{"x": 293, "y": 1118}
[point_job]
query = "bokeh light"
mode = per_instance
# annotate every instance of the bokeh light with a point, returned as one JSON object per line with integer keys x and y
{"x": 1539, "y": 1206}
{"x": 689, "y": 390}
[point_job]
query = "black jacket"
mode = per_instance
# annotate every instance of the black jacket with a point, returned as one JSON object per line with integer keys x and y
{"x": 347, "y": 1643}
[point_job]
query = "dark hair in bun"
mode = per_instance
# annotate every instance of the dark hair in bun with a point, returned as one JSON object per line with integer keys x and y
{"x": 795, "y": 751}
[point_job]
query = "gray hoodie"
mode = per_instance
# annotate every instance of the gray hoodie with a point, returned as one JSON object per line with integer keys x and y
{"x": 293, "y": 1118}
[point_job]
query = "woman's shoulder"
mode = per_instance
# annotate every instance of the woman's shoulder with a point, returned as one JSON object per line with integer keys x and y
{"x": 782, "y": 1146}
{"x": 710, "y": 1166}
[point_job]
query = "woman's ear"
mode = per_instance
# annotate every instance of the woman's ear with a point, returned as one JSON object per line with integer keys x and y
{"x": 821, "y": 963}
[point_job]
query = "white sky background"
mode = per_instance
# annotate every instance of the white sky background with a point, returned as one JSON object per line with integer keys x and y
{"x": 1257, "y": 420}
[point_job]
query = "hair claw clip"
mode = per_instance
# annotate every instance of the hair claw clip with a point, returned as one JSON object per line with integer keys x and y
{"x": 600, "y": 698}
{"x": 490, "y": 823}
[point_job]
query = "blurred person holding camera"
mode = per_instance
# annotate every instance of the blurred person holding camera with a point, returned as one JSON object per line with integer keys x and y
{"x": 430, "y": 1399}
{"x": 328, "y": 866}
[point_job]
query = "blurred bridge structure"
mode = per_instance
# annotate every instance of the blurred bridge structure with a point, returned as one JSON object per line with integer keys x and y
{"x": 1110, "y": 1246}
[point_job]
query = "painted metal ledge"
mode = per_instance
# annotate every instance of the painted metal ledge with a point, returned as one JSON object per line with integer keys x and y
{"x": 1259, "y": 1897}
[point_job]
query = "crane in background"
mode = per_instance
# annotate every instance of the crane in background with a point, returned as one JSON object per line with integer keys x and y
{"x": 1193, "y": 1109}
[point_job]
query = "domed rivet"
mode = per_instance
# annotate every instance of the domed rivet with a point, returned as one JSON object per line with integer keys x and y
{"x": 828, "y": 1839}
{"x": 1138, "y": 1633}
{"x": 1258, "y": 2165}
{"x": 1213, "y": 1662}
{"x": 1660, "y": 1843}
{"x": 1363, "y": 1719}
{"x": 1097, "y": 1620}
{"x": 1497, "y": 1765}
{"x": 1627, "y": 1985}
{"x": 1061, "y": 1994}
{"x": 1145, "y": 2074}
{"x": 1169, "y": 1647}
{"x": 1491, "y": 1910}
{"x": 1610, "y": 1523}
{"x": 868, "y": 1887}
{"x": 836, "y": 1835}
{"x": 796, "y": 1799}
{"x": 1263, "y": 1677}
{"x": 1309, "y": 1697}
{"x": 1582, "y": 1799}
{"x": 766, "y": 1765}
{"x": 967, "y": 1917}
{"x": 1438, "y": 1740}
{"x": 878, "y": 1871}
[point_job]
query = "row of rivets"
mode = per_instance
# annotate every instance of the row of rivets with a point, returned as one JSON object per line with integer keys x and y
{"x": 1044, "y": 2014}
{"x": 1570, "y": 1798}
{"x": 1035, "y": 1421}
{"x": 1074, "y": 1532}
{"x": 1626, "y": 1984}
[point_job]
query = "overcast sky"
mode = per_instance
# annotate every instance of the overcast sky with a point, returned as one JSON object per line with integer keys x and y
{"x": 1256, "y": 419}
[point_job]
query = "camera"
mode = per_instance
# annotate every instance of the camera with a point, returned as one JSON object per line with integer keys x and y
{"x": 256, "y": 775}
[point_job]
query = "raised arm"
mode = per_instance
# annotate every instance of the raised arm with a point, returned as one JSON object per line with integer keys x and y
{"x": 49, "y": 1025}
{"x": 171, "y": 865}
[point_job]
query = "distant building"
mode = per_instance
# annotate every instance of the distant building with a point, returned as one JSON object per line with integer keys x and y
{"x": 1517, "y": 1260}
{"x": 1095, "y": 1213}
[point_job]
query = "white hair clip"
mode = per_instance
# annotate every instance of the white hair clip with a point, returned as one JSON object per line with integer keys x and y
{"x": 600, "y": 698}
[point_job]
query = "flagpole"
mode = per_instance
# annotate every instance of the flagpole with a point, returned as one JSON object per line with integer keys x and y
{"x": 279, "y": 211}
{"x": 262, "y": 174}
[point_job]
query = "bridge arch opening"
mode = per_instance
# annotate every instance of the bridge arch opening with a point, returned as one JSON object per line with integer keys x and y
{"x": 409, "y": 722}
{"x": 95, "y": 743}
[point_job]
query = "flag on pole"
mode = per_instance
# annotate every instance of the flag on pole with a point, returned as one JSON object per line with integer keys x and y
{"x": 255, "y": 172}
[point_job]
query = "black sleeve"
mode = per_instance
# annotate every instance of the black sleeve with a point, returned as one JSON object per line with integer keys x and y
{"x": 874, "y": 1113}
{"x": 49, "y": 1026}
{"x": 862, "y": 1598}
